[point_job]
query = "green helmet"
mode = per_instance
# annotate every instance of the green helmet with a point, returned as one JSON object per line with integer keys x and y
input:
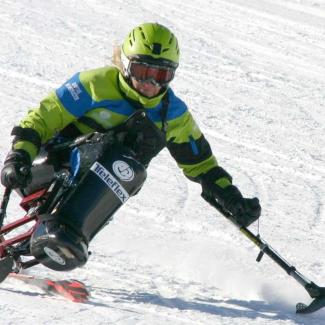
{"x": 153, "y": 43}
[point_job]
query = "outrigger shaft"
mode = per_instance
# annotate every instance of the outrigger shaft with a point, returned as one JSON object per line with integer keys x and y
{"x": 315, "y": 292}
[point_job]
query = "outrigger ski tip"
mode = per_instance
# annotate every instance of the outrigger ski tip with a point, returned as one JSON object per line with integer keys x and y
{"x": 316, "y": 292}
{"x": 315, "y": 305}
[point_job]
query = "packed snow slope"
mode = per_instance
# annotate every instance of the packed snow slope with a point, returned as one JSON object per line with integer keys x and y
{"x": 253, "y": 74}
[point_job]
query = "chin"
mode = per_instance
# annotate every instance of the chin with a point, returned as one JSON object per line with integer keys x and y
{"x": 149, "y": 96}
{"x": 163, "y": 89}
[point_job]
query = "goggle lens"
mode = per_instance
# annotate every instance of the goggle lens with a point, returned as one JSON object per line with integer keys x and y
{"x": 145, "y": 72}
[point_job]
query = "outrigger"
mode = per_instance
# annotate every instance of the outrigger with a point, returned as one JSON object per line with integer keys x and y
{"x": 315, "y": 292}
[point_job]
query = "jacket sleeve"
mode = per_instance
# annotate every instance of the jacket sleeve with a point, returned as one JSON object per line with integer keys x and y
{"x": 56, "y": 111}
{"x": 193, "y": 154}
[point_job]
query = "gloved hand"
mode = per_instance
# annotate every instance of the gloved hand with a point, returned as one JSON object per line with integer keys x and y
{"x": 16, "y": 172}
{"x": 245, "y": 211}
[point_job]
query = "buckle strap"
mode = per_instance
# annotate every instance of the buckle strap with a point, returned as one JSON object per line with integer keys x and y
{"x": 164, "y": 112}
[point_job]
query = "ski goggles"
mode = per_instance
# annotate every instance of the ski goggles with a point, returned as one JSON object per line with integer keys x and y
{"x": 158, "y": 75}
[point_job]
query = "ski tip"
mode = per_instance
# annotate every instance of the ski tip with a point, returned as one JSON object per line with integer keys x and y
{"x": 73, "y": 290}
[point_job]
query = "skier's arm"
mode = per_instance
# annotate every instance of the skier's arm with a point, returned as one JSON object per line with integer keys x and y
{"x": 36, "y": 128}
{"x": 62, "y": 107}
{"x": 193, "y": 154}
{"x": 40, "y": 125}
{"x": 55, "y": 112}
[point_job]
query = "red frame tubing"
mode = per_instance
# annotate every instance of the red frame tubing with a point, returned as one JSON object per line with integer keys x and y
{"x": 29, "y": 201}
{"x": 26, "y": 203}
{"x": 16, "y": 239}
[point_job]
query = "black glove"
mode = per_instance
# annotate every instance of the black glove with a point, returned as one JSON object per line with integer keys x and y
{"x": 16, "y": 172}
{"x": 245, "y": 211}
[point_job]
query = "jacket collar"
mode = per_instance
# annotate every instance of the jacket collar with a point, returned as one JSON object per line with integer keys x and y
{"x": 131, "y": 94}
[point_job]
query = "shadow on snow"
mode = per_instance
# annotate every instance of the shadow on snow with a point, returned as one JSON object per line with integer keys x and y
{"x": 232, "y": 308}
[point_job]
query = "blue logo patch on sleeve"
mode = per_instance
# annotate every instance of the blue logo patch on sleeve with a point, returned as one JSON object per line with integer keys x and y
{"x": 74, "y": 97}
{"x": 74, "y": 90}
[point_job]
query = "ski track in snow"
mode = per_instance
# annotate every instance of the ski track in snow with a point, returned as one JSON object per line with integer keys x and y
{"x": 258, "y": 96}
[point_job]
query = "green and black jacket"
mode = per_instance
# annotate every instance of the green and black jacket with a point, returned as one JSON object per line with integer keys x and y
{"x": 103, "y": 98}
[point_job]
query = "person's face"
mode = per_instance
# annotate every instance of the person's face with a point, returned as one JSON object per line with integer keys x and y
{"x": 145, "y": 88}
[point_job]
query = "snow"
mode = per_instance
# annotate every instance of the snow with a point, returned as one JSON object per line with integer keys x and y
{"x": 253, "y": 74}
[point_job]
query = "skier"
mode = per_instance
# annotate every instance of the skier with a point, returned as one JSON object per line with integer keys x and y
{"x": 103, "y": 99}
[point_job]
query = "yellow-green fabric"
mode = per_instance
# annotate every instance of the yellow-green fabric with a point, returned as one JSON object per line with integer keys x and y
{"x": 104, "y": 96}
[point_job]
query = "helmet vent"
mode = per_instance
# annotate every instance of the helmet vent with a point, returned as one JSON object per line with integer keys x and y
{"x": 142, "y": 33}
{"x": 156, "y": 48}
